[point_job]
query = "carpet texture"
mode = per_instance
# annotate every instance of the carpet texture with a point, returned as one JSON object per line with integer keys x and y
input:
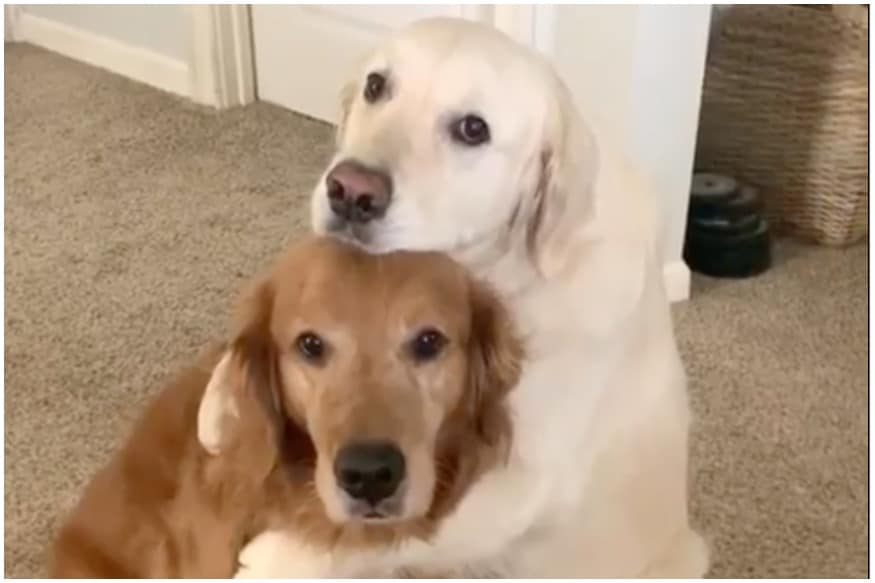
{"x": 132, "y": 218}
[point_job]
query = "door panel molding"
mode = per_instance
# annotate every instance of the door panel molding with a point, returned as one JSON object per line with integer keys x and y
{"x": 222, "y": 63}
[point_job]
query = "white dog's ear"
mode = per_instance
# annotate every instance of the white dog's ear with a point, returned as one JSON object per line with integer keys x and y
{"x": 563, "y": 199}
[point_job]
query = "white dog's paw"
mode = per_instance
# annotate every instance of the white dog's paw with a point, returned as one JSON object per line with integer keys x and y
{"x": 688, "y": 557}
{"x": 278, "y": 555}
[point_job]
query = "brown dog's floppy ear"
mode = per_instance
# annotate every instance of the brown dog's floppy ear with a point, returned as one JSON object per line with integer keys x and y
{"x": 244, "y": 391}
{"x": 495, "y": 363}
{"x": 254, "y": 354}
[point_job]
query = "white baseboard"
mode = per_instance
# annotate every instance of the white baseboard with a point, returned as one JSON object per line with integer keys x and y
{"x": 134, "y": 62}
{"x": 676, "y": 275}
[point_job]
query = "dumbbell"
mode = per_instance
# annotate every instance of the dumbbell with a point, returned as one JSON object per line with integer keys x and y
{"x": 727, "y": 236}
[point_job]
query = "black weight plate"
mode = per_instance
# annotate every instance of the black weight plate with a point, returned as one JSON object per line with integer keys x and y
{"x": 725, "y": 226}
{"x": 746, "y": 201}
{"x": 734, "y": 256}
{"x": 742, "y": 204}
{"x": 711, "y": 186}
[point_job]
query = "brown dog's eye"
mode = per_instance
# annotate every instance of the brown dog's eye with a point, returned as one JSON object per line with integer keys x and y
{"x": 375, "y": 86}
{"x": 310, "y": 346}
{"x": 428, "y": 344}
{"x": 471, "y": 130}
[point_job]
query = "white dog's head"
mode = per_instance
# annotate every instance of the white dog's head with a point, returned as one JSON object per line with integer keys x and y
{"x": 453, "y": 135}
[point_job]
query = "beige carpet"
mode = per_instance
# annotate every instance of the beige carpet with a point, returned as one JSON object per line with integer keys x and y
{"x": 132, "y": 216}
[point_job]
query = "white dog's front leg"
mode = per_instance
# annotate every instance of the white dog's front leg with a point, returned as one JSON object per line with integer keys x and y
{"x": 279, "y": 555}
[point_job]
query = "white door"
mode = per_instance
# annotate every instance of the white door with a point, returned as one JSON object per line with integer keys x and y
{"x": 303, "y": 54}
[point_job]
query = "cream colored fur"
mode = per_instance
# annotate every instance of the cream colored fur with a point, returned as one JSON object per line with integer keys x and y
{"x": 596, "y": 485}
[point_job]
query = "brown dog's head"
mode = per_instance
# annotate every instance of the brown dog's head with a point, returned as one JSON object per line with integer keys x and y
{"x": 381, "y": 380}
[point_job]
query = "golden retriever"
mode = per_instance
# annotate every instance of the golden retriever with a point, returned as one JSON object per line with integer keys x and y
{"x": 455, "y": 138}
{"x": 367, "y": 395}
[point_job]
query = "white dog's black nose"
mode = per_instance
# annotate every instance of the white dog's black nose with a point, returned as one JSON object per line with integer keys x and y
{"x": 358, "y": 193}
{"x": 369, "y": 471}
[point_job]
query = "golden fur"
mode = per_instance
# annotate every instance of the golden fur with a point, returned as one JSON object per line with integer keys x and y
{"x": 163, "y": 507}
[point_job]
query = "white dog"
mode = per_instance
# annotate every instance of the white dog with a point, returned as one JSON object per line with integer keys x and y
{"x": 455, "y": 138}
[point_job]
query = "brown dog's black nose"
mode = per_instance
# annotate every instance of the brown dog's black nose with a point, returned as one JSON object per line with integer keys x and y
{"x": 357, "y": 193}
{"x": 369, "y": 471}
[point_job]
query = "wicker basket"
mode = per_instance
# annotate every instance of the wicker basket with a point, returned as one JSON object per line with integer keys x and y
{"x": 785, "y": 107}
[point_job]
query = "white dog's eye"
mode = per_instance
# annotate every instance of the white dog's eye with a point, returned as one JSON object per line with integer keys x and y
{"x": 375, "y": 86}
{"x": 471, "y": 130}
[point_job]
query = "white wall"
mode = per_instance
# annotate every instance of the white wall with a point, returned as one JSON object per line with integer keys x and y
{"x": 149, "y": 43}
{"x": 639, "y": 70}
{"x": 162, "y": 28}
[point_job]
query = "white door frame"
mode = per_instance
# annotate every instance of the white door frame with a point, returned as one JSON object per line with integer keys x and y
{"x": 10, "y": 21}
{"x": 222, "y": 65}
